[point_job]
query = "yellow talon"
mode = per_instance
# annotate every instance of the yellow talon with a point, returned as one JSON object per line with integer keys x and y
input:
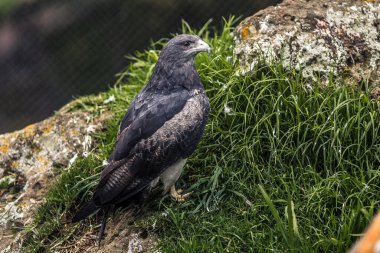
{"x": 176, "y": 195}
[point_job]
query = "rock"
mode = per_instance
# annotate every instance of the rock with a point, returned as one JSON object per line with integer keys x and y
{"x": 121, "y": 236}
{"x": 319, "y": 38}
{"x": 27, "y": 161}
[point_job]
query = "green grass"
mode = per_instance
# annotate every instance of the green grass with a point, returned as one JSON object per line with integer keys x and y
{"x": 280, "y": 168}
{"x": 5, "y": 182}
{"x": 6, "y": 6}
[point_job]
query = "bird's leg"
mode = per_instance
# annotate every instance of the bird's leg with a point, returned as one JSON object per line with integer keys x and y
{"x": 177, "y": 194}
{"x": 103, "y": 226}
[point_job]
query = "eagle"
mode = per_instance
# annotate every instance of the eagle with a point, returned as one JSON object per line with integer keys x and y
{"x": 160, "y": 130}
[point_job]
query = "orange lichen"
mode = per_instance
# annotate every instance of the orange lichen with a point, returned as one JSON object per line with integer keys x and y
{"x": 15, "y": 164}
{"x": 47, "y": 127}
{"x": 75, "y": 132}
{"x": 29, "y": 131}
{"x": 5, "y": 142}
{"x": 4, "y": 148}
{"x": 245, "y": 33}
{"x": 42, "y": 159}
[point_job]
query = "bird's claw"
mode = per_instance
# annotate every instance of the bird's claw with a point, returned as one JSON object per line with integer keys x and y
{"x": 177, "y": 196}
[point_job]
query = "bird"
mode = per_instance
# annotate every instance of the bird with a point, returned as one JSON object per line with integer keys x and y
{"x": 160, "y": 130}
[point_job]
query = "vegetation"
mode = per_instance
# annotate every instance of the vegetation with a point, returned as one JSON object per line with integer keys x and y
{"x": 281, "y": 167}
{"x": 6, "y": 5}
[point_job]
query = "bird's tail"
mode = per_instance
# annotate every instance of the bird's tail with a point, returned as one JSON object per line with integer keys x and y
{"x": 86, "y": 210}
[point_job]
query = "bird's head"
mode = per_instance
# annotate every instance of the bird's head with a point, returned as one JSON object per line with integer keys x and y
{"x": 183, "y": 48}
{"x": 175, "y": 65}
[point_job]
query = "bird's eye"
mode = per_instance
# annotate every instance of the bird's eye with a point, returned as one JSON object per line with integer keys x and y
{"x": 187, "y": 43}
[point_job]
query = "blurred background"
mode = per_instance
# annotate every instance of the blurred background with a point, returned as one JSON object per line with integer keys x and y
{"x": 53, "y": 51}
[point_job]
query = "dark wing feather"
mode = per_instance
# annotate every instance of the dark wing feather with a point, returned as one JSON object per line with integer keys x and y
{"x": 89, "y": 208}
{"x": 148, "y": 118}
{"x": 134, "y": 109}
{"x": 117, "y": 179}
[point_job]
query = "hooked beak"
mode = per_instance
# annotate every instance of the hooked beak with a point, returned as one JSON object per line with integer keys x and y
{"x": 200, "y": 46}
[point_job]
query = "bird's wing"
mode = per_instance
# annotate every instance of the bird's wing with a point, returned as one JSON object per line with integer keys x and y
{"x": 132, "y": 112}
{"x": 150, "y": 112}
{"x": 120, "y": 175}
{"x": 138, "y": 105}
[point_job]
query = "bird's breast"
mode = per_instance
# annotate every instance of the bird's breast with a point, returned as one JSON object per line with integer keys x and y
{"x": 177, "y": 138}
{"x": 194, "y": 113}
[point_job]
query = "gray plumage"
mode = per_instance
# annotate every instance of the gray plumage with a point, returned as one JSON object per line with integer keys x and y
{"x": 161, "y": 128}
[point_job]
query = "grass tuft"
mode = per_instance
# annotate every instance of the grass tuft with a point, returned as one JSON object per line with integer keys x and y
{"x": 281, "y": 167}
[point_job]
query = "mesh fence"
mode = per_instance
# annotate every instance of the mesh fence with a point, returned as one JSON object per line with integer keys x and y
{"x": 52, "y": 51}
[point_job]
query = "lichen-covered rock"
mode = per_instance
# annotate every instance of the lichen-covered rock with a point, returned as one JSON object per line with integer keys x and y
{"x": 319, "y": 38}
{"x": 27, "y": 161}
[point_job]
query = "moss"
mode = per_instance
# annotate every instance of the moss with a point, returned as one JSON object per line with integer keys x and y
{"x": 7, "y": 182}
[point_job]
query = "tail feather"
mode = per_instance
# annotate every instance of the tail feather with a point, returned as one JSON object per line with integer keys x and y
{"x": 86, "y": 210}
